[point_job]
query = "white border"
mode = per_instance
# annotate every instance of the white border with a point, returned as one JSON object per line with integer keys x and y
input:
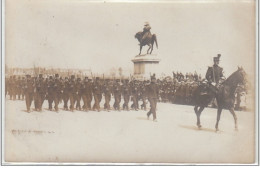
{"x": 145, "y": 164}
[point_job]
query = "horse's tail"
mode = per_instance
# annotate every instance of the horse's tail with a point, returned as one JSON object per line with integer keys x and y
{"x": 155, "y": 39}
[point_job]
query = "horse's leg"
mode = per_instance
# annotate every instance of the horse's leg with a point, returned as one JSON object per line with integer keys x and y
{"x": 149, "y": 48}
{"x": 196, "y": 109}
{"x": 140, "y": 49}
{"x": 218, "y": 117}
{"x": 235, "y": 117}
{"x": 198, "y": 116}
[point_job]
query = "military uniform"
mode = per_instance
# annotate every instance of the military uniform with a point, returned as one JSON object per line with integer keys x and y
{"x": 213, "y": 76}
{"x": 19, "y": 87}
{"x": 12, "y": 88}
{"x": 153, "y": 94}
{"x": 117, "y": 94}
{"x": 97, "y": 92}
{"x": 78, "y": 93}
{"x": 50, "y": 92}
{"x": 143, "y": 94}
{"x": 107, "y": 94}
{"x": 65, "y": 94}
{"x": 126, "y": 94}
{"x": 214, "y": 73}
{"x": 29, "y": 92}
{"x": 40, "y": 92}
{"x": 134, "y": 93}
{"x": 72, "y": 92}
{"x": 87, "y": 94}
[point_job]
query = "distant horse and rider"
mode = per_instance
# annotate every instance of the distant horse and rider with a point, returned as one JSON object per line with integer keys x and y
{"x": 224, "y": 94}
{"x": 146, "y": 38}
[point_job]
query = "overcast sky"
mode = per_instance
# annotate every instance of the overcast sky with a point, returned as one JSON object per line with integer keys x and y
{"x": 78, "y": 34}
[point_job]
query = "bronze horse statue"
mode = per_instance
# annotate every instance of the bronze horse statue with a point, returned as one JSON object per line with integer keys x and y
{"x": 148, "y": 40}
{"x": 225, "y": 96}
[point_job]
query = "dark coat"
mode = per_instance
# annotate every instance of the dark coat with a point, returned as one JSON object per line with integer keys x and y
{"x": 214, "y": 73}
{"x": 152, "y": 90}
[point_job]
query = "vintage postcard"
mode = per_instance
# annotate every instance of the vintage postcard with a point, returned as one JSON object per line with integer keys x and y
{"x": 135, "y": 82}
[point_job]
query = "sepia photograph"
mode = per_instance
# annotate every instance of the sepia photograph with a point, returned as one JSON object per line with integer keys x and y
{"x": 129, "y": 82}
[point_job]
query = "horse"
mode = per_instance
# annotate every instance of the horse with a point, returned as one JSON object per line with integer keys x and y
{"x": 225, "y": 96}
{"x": 148, "y": 40}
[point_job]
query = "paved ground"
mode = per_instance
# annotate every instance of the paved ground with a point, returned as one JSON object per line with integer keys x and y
{"x": 127, "y": 136}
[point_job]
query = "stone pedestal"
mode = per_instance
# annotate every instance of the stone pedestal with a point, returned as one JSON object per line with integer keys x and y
{"x": 145, "y": 65}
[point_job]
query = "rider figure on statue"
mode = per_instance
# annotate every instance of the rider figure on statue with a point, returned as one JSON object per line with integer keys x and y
{"x": 146, "y": 29}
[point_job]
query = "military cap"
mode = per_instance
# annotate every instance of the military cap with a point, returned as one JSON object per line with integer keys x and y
{"x": 86, "y": 77}
{"x": 56, "y": 75}
{"x": 72, "y": 76}
{"x": 78, "y": 79}
{"x": 28, "y": 76}
{"x": 50, "y": 77}
{"x": 66, "y": 77}
{"x": 217, "y": 58}
{"x": 97, "y": 78}
{"x": 40, "y": 75}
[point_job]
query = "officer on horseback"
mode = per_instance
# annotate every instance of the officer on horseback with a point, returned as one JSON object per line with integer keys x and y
{"x": 215, "y": 73}
{"x": 214, "y": 77}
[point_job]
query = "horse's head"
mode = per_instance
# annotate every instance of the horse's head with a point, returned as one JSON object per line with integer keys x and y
{"x": 241, "y": 75}
{"x": 138, "y": 36}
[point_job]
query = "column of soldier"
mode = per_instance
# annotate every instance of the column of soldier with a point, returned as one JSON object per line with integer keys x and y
{"x": 56, "y": 89}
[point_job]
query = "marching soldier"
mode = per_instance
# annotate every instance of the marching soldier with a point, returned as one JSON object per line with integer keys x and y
{"x": 84, "y": 94}
{"x": 153, "y": 94}
{"x": 50, "y": 91}
{"x": 40, "y": 91}
{"x": 19, "y": 87}
{"x": 117, "y": 94}
{"x": 61, "y": 82}
{"x": 65, "y": 94}
{"x": 29, "y": 92}
{"x": 97, "y": 92}
{"x": 11, "y": 88}
{"x": 78, "y": 93}
{"x": 126, "y": 94}
{"x": 89, "y": 90}
{"x": 72, "y": 92}
{"x": 54, "y": 92}
{"x": 107, "y": 94}
{"x": 87, "y": 93}
{"x": 143, "y": 94}
{"x": 134, "y": 92}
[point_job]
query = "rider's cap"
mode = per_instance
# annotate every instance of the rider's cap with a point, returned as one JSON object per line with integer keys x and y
{"x": 146, "y": 24}
{"x": 217, "y": 58}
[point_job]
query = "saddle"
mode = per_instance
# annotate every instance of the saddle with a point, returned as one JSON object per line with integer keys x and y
{"x": 208, "y": 89}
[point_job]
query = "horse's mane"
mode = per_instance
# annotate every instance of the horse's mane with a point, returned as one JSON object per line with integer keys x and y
{"x": 231, "y": 79}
